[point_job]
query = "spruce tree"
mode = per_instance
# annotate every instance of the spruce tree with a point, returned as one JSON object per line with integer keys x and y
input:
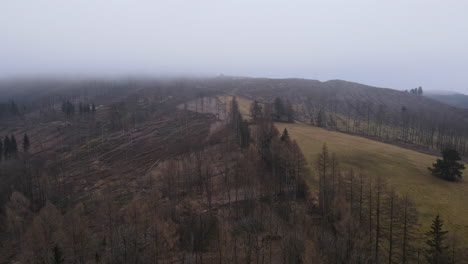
{"x": 6, "y": 147}
{"x": 14, "y": 145}
{"x": 256, "y": 111}
{"x": 285, "y": 135}
{"x": 279, "y": 108}
{"x": 25, "y": 142}
{"x": 449, "y": 167}
{"x": 435, "y": 252}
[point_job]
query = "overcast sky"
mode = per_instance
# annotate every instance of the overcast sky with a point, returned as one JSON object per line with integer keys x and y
{"x": 398, "y": 44}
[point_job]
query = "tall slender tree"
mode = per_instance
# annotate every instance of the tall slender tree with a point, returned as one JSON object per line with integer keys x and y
{"x": 436, "y": 249}
{"x": 25, "y": 142}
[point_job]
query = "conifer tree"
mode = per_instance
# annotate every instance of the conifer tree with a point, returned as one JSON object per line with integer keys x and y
{"x": 58, "y": 255}
{"x": 14, "y": 145}
{"x": 285, "y": 136}
{"x": 449, "y": 167}
{"x": 279, "y": 108}
{"x": 435, "y": 252}
{"x": 6, "y": 147}
{"x": 25, "y": 142}
{"x": 256, "y": 111}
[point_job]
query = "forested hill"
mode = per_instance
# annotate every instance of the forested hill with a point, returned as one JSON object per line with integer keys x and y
{"x": 385, "y": 114}
{"x": 338, "y": 91}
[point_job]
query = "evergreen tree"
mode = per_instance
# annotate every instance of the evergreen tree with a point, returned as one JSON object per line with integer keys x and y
{"x": 435, "y": 252}
{"x": 289, "y": 112}
{"x": 25, "y": 142}
{"x": 420, "y": 90}
{"x": 6, "y": 147}
{"x": 279, "y": 108}
{"x": 58, "y": 256}
{"x": 256, "y": 111}
{"x": 14, "y": 145}
{"x": 320, "y": 119}
{"x": 244, "y": 134}
{"x": 285, "y": 135}
{"x": 448, "y": 167}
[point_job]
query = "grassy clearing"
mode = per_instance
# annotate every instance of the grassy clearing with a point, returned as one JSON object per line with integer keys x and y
{"x": 404, "y": 169}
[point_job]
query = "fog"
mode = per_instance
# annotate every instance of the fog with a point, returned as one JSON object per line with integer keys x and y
{"x": 398, "y": 44}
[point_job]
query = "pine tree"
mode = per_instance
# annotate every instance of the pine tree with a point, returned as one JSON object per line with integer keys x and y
{"x": 279, "y": 108}
{"x": 6, "y": 147}
{"x": 435, "y": 252}
{"x": 289, "y": 112}
{"x": 256, "y": 111}
{"x": 14, "y": 145}
{"x": 285, "y": 136}
{"x": 25, "y": 142}
{"x": 320, "y": 119}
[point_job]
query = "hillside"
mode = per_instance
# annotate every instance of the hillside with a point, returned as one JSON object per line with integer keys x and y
{"x": 404, "y": 169}
{"x": 453, "y": 99}
{"x": 170, "y": 171}
{"x": 342, "y": 93}
{"x": 386, "y": 115}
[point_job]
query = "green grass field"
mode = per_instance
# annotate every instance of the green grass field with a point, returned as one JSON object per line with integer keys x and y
{"x": 404, "y": 169}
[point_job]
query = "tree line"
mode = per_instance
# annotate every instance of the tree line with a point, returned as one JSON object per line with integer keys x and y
{"x": 365, "y": 219}
{"x": 9, "y": 147}
{"x": 83, "y": 108}
{"x": 372, "y": 119}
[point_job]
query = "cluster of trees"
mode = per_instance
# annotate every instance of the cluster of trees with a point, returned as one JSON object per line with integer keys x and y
{"x": 364, "y": 219}
{"x": 370, "y": 119}
{"x": 9, "y": 109}
{"x": 283, "y": 111}
{"x": 9, "y": 147}
{"x": 223, "y": 203}
{"x": 240, "y": 197}
{"x": 416, "y": 91}
{"x": 448, "y": 168}
{"x": 279, "y": 111}
{"x": 83, "y": 108}
{"x": 239, "y": 125}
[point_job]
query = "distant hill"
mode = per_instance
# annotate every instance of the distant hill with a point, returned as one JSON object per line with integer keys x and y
{"x": 453, "y": 99}
{"x": 345, "y": 96}
{"x": 381, "y": 113}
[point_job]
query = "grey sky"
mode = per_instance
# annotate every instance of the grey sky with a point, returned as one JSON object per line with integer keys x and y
{"x": 399, "y": 44}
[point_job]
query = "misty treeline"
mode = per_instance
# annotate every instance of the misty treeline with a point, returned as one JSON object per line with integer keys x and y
{"x": 376, "y": 120}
